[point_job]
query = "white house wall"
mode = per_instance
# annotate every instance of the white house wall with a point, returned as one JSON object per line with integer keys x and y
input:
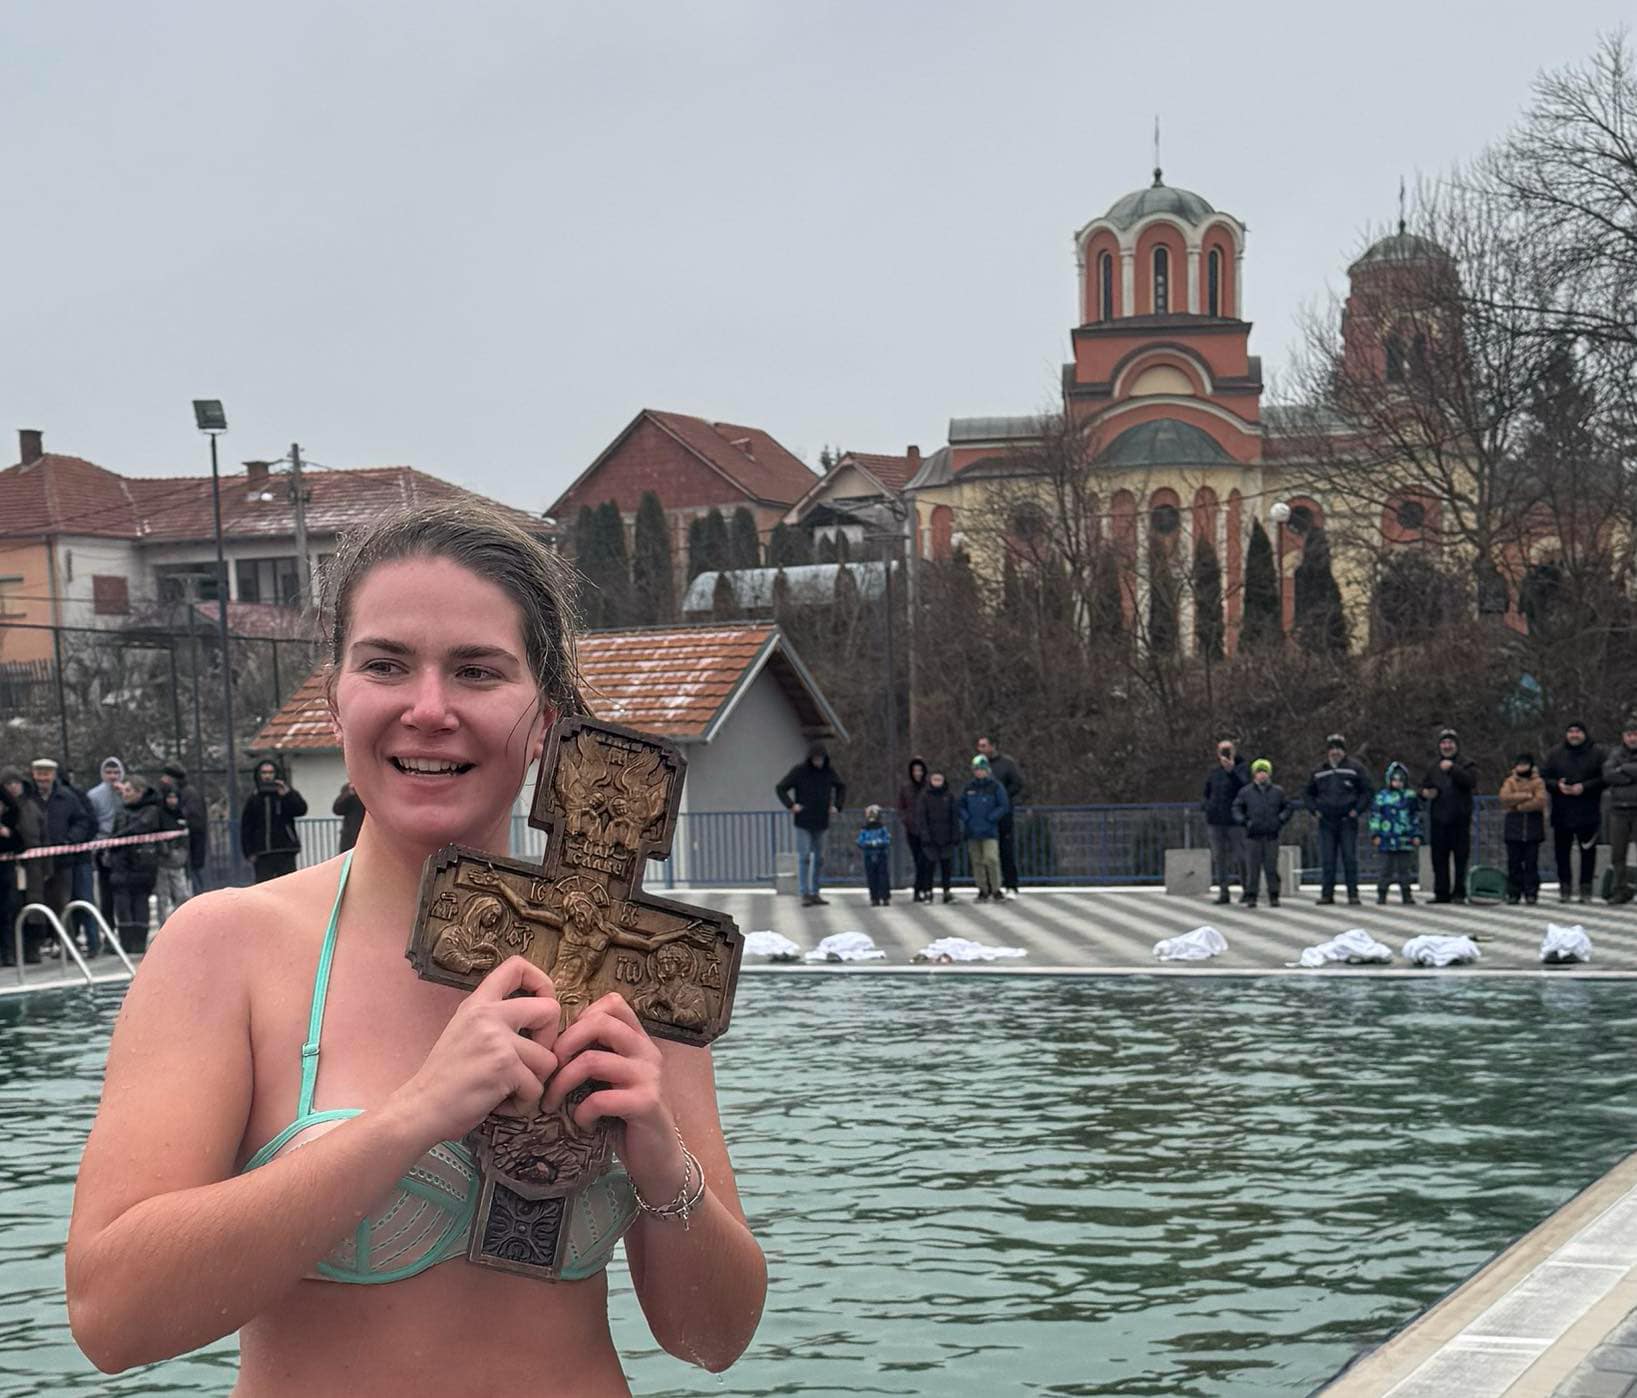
{"x": 759, "y": 743}
{"x": 81, "y": 559}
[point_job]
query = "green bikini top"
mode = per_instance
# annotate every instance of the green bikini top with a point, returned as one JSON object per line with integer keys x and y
{"x": 428, "y": 1218}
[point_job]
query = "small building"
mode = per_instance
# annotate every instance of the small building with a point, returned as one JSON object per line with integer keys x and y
{"x": 759, "y": 592}
{"x": 693, "y": 466}
{"x": 737, "y": 699}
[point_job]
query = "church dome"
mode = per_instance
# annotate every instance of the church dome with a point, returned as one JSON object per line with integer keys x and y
{"x": 1158, "y": 198}
{"x": 1163, "y": 441}
{"x": 1403, "y": 247}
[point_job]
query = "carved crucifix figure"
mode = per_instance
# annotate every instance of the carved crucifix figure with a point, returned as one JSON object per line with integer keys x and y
{"x": 607, "y": 800}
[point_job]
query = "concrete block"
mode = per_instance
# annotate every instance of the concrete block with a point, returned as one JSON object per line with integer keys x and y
{"x": 1188, "y": 871}
{"x": 785, "y": 879}
{"x": 1290, "y": 867}
{"x": 1423, "y": 875}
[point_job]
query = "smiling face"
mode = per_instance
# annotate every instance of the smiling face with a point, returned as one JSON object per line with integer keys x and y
{"x": 438, "y": 711}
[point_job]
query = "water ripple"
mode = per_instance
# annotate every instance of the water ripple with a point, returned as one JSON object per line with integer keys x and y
{"x": 1131, "y": 1186}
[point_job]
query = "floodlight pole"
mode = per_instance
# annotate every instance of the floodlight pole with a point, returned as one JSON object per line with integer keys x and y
{"x": 227, "y": 667}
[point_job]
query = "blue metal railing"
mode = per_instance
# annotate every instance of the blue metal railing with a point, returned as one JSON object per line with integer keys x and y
{"x": 1086, "y": 844}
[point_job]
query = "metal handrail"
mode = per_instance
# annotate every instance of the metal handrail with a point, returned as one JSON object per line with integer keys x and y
{"x": 107, "y": 931}
{"x": 62, "y": 936}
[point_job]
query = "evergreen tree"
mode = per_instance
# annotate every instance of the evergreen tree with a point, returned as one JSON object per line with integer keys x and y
{"x": 1207, "y": 601}
{"x": 653, "y": 584}
{"x": 707, "y": 544}
{"x": 1261, "y": 625}
{"x": 724, "y": 600}
{"x": 610, "y": 570}
{"x": 789, "y": 546}
{"x": 827, "y": 550}
{"x": 744, "y": 544}
{"x": 585, "y": 564}
{"x": 1164, "y": 611}
{"x": 1321, "y": 624}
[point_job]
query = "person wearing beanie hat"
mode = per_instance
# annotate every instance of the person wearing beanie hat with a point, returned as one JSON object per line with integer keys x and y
{"x": 983, "y": 803}
{"x": 1338, "y": 793}
{"x": 1523, "y": 798}
{"x": 1228, "y": 775}
{"x": 1395, "y": 830}
{"x": 1620, "y": 776}
{"x": 875, "y": 840}
{"x": 1448, "y": 787}
{"x": 1574, "y": 784}
{"x": 1262, "y": 811}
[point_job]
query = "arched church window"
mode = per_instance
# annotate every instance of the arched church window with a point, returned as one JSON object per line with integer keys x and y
{"x": 1213, "y": 283}
{"x": 1105, "y": 280}
{"x": 1165, "y": 520}
{"x": 1395, "y": 359}
{"x": 1162, "y": 281}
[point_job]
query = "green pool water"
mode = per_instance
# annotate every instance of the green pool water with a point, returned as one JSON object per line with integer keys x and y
{"x": 976, "y": 1185}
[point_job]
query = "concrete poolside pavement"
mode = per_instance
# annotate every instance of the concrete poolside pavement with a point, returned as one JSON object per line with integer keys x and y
{"x": 1114, "y": 930}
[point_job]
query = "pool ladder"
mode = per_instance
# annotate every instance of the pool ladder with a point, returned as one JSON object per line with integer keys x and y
{"x": 70, "y": 947}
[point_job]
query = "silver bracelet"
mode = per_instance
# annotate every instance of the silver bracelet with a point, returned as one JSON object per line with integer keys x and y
{"x": 685, "y": 1202}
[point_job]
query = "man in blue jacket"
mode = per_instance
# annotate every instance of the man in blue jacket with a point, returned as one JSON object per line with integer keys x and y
{"x": 984, "y": 804}
{"x": 1338, "y": 793}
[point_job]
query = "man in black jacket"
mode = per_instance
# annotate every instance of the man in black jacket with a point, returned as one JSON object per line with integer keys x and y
{"x": 11, "y": 842}
{"x": 1005, "y": 770}
{"x": 67, "y": 820}
{"x": 810, "y": 791}
{"x": 1574, "y": 781}
{"x": 1448, "y": 786}
{"x": 1338, "y": 793}
{"x": 1223, "y": 783}
{"x": 267, "y": 829}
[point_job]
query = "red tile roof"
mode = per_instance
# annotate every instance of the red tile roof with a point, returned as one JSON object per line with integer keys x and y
{"x": 37, "y": 498}
{"x": 65, "y": 495}
{"x": 892, "y": 471}
{"x": 674, "y": 683}
{"x": 746, "y": 455}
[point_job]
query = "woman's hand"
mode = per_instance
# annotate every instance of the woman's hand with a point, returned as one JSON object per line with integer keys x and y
{"x": 608, "y": 1046}
{"x": 482, "y": 1061}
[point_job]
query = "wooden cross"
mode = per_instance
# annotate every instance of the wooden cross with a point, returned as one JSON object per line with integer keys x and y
{"x": 607, "y": 799}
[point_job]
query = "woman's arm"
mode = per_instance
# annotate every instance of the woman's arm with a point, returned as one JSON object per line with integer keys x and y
{"x": 168, "y": 1248}
{"x": 701, "y": 1289}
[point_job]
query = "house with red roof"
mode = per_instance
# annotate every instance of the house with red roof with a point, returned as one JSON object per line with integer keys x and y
{"x": 81, "y": 545}
{"x": 736, "y": 699}
{"x": 693, "y": 466}
{"x": 861, "y": 494}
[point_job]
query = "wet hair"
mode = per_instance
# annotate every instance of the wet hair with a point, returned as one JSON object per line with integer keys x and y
{"x": 497, "y": 549}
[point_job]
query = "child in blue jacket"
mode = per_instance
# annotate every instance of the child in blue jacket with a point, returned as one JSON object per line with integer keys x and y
{"x": 1395, "y": 829}
{"x": 876, "y": 842}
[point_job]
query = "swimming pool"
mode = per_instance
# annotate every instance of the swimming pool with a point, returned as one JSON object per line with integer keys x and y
{"x": 975, "y": 1185}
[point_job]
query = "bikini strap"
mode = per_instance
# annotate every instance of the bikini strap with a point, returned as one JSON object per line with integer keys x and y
{"x": 321, "y": 988}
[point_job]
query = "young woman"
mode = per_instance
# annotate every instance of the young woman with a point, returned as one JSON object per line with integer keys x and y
{"x": 255, "y": 1113}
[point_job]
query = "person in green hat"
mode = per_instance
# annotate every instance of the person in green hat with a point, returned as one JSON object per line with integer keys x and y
{"x": 1264, "y": 810}
{"x": 983, "y": 804}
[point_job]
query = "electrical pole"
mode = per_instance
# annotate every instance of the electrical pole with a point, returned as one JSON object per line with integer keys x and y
{"x": 304, "y": 577}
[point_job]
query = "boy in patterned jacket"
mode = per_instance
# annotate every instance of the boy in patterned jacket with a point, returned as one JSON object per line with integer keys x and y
{"x": 876, "y": 842}
{"x": 1395, "y": 830}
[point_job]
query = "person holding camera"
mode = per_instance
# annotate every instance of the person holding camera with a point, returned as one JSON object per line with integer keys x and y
{"x": 267, "y": 828}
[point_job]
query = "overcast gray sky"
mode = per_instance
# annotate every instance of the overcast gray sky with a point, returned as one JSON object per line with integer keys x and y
{"x": 477, "y": 237}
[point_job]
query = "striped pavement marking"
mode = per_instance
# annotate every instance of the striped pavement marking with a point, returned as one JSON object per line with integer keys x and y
{"x": 1115, "y": 930}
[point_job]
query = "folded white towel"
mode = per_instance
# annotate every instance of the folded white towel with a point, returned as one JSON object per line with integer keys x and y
{"x": 847, "y": 946}
{"x": 771, "y": 944}
{"x": 962, "y": 949}
{"x": 1353, "y": 946}
{"x": 1565, "y": 943}
{"x": 1439, "y": 951}
{"x": 1199, "y": 945}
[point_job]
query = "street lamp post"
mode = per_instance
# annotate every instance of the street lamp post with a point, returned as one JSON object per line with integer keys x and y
{"x": 212, "y": 421}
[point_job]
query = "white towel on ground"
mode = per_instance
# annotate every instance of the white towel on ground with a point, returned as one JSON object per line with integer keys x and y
{"x": 1565, "y": 943}
{"x": 771, "y": 944}
{"x": 847, "y": 946}
{"x": 963, "y": 949}
{"x": 1352, "y": 946}
{"x": 1199, "y": 945}
{"x": 1439, "y": 951}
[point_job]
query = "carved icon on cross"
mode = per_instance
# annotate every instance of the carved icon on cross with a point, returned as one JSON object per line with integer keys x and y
{"x": 607, "y": 800}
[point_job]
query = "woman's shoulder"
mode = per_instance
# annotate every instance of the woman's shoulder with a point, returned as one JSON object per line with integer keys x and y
{"x": 227, "y": 925}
